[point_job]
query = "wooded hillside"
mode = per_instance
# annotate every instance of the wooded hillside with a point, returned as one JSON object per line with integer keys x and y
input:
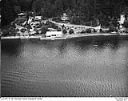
{"x": 85, "y": 10}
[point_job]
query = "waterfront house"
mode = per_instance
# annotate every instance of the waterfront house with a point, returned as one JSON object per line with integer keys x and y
{"x": 54, "y": 34}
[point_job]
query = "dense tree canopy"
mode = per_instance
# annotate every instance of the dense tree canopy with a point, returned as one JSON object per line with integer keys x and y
{"x": 7, "y": 12}
{"x": 83, "y": 9}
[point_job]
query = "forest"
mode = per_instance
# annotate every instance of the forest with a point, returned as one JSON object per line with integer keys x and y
{"x": 80, "y": 11}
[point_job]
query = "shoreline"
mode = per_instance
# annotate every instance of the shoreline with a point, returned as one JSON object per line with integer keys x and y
{"x": 65, "y": 37}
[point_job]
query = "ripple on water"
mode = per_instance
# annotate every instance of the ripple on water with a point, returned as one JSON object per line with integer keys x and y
{"x": 65, "y": 68}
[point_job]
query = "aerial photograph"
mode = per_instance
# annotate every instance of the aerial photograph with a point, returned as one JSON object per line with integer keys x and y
{"x": 64, "y": 48}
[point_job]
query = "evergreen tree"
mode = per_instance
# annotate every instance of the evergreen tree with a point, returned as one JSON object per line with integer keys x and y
{"x": 8, "y": 13}
{"x": 79, "y": 10}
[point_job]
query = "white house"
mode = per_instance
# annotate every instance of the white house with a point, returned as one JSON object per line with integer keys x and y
{"x": 21, "y": 15}
{"x": 97, "y": 28}
{"x": 65, "y": 17}
{"x": 122, "y": 19}
{"x": 38, "y": 17}
{"x": 54, "y": 34}
{"x": 0, "y": 18}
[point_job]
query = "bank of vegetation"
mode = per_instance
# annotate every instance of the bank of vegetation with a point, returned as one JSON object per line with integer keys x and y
{"x": 81, "y": 12}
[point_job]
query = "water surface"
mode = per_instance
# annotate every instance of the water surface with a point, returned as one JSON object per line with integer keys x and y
{"x": 96, "y": 66}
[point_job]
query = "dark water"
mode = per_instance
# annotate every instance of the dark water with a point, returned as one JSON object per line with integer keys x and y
{"x": 96, "y": 66}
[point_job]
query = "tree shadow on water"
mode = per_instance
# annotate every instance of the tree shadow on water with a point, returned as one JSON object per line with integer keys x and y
{"x": 10, "y": 47}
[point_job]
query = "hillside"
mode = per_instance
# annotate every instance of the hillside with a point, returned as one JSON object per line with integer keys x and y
{"x": 84, "y": 10}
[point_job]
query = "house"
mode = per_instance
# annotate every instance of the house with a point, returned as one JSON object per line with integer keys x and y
{"x": 37, "y": 18}
{"x": 121, "y": 21}
{"x": 54, "y": 34}
{"x": 65, "y": 17}
{"x": 122, "y": 18}
{"x": 0, "y": 18}
{"x": 21, "y": 15}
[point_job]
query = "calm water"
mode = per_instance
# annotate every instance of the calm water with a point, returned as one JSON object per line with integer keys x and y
{"x": 77, "y": 67}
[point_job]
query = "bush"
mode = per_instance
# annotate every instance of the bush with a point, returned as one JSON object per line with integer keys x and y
{"x": 5, "y": 32}
{"x": 28, "y": 26}
{"x": 51, "y": 25}
{"x": 126, "y": 24}
{"x": 57, "y": 19}
{"x": 83, "y": 31}
{"x": 71, "y": 31}
{"x": 12, "y": 31}
{"x": 44, "y": 30}
{"x": 88, "y": 30}
{"x": 38, "y": 25}
{"x": 23, "y": 30}
{"x": 75, "y": 20}
{"x": 64, "y": 31}
{"x": 126, "y": 30}
{"x": 9, "y": 31}
{"x": 19, "y": 21}
{"x": 58, "y": 29}
{"x": 112, "y": 28}
{"x": 37, "y": 32}
{"x": 93, "y": 30}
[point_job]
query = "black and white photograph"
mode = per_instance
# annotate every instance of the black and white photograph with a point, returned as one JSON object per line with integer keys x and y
{"x": 64, "y": 48}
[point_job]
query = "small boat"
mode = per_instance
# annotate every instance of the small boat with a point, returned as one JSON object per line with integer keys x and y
{"x": 113, "y": 32}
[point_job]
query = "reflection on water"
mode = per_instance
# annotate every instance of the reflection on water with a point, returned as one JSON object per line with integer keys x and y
{"x": 80, "y": 67}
